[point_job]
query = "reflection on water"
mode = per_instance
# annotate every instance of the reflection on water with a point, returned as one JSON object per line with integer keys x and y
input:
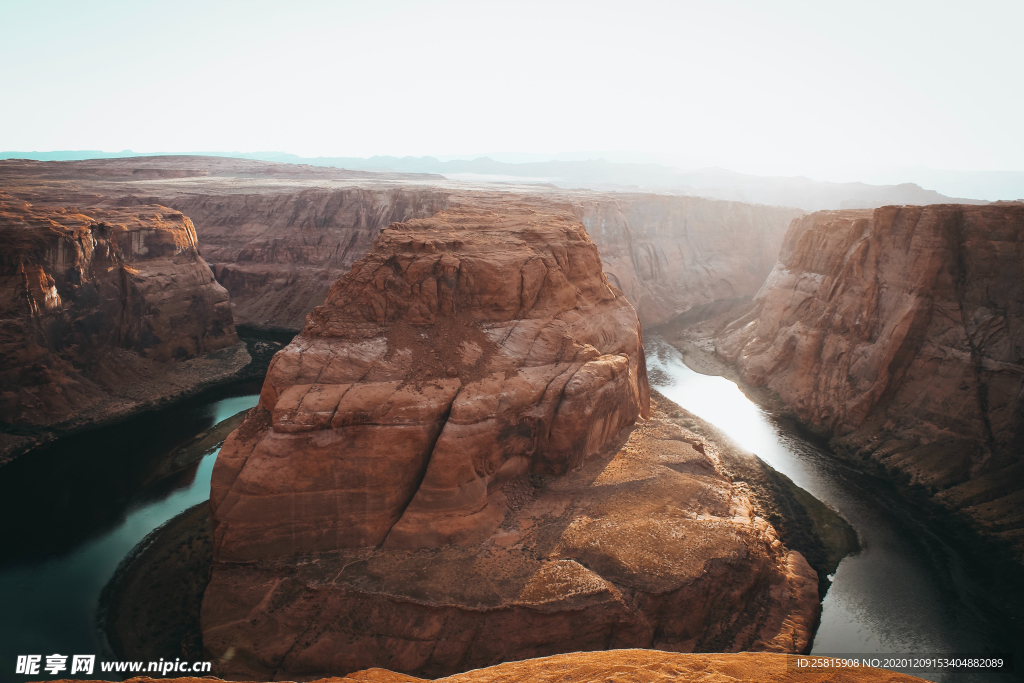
{"x": 72, "y": 512}
{"x": 906, "y": 591}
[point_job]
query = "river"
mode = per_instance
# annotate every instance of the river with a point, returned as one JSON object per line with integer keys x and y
{"x": 906, "y": 591}
{"x": 73, "y": 511}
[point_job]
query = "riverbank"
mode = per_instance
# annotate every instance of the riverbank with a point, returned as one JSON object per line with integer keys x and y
{"x": 167, "y": 384}
{"x": 155, "y": 595}
{"x": 173, "y": 384}
{"x": 803, "y": 522}
{"x": 989, "y": 564}
{"x": 151, "y": 605}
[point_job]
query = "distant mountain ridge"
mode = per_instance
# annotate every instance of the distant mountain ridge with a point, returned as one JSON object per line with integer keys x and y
{"x": 599, "y": 174}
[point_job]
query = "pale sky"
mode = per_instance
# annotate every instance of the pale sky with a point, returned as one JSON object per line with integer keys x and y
{"x": 823, "y": 89}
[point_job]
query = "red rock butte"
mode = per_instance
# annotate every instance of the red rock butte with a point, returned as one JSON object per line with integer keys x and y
{"x": 464, "y": 350}
{"x": 443, "y": 473}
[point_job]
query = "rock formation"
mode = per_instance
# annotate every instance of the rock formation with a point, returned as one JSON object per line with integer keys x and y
{"x": 441, "y": 475}
{"x": 278, "y": 235}
{"x": 900, "y": 331}
{"x": 629, "y": 666}
{"x": 278, "y": 253}
{"x": 668, "y": 254}
{"x": 103, "y": 311}
{"x": 454, "y": 334}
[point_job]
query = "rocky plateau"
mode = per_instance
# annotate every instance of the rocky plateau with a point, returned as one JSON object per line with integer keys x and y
{"x": 899, "y": 331}
{"x": 278, "y": 235}
{"x": 457, "y": 463}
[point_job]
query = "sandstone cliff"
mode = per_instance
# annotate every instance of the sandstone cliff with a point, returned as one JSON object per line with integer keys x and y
{"x": 668, "y": 254}
{"x": 278, "y": 235}
{"x": 101, "y": 312}
{"x": 441, "y": 475}
{"x": 277, "y": 253}
{"x": 454, "y": 334}
{"x": 901, "y": 332}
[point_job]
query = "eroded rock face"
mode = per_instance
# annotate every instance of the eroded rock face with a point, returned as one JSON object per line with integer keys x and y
{"x": 442, "y": 474}
{"x": 278, "y": 235}
{"x": 901, "y": 331}
{"x": 668, "y": 254}
{"x": 645, "y": 545}
{"x": 278, "y": 253}
{"x": 97, "y": 306}
{"x": 464, "y": 350}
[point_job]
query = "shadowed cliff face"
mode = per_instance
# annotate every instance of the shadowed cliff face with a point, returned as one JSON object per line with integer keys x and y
{"x": 901, "y": 331}
{"x": 96, "y": 303}
{"x": 668, "y": 254}
{"x": 443, "y": 474}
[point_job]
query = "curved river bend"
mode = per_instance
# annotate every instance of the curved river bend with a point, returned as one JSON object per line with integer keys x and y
{"x": 906, "y": 590}
{"x": 72, "y": 512}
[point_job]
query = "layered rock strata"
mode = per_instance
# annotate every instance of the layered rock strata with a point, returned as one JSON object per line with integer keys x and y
{"x": 441, "y": 474}
{"x": 900, "y": 331}
{"x": 278, "y": 235}
{"x": 102, "y": 312}
{"x": 646, "y": 545}
{"x": 668, "y": 254}
{"x": 454, "y": 334}
{"x": 277, "y": 253}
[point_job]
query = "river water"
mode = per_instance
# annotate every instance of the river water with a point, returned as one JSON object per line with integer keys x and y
{"x": 906, "y": 591}
{"x": 72, "y": 512}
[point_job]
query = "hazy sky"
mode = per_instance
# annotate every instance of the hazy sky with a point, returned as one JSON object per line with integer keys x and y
{"x": 817, "y": 88}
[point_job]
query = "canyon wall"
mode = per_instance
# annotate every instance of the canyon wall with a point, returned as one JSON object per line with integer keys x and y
{"x": 668, "y": 253}
{"x": 900, "y": 331}
{"x": 278, "y": 235}
{"x": 442, "y": 473}
{"x": 277, "y": 253}
{"x": 103, "y": 311}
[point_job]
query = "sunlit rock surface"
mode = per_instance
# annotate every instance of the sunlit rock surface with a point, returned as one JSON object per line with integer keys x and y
{"x": 901, "y": 331}
{"x": 443, "y": 474}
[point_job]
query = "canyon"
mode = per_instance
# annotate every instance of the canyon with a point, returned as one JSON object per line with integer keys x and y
{"x": 278, "y": 235}
{"x": 104, "y": 312}
{"x": 443, "y": 473}
{"x": 509, "y": 487}
{"x": 671, "y": 254}
{"x": 899, "y": 332}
